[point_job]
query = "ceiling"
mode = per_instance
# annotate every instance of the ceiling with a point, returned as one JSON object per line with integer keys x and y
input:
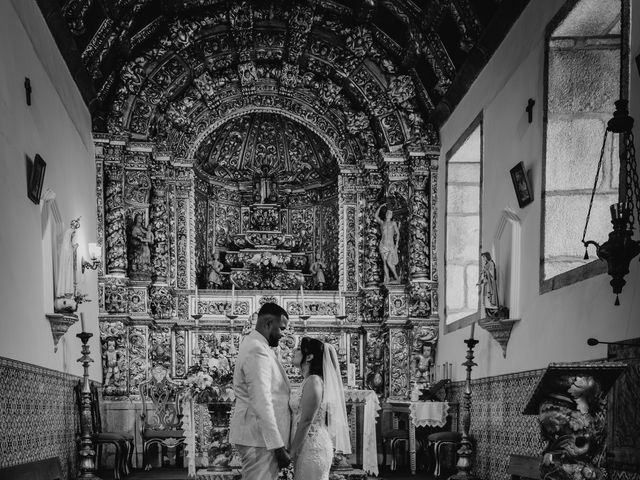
{"x": 362, "y": 75}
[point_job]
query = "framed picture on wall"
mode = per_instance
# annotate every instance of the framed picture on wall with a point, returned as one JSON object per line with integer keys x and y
{"x": 36, "y": 179}
{"x": 521, "y": 184}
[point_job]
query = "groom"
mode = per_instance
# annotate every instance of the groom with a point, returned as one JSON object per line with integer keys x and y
{"x": 261, "y": 420}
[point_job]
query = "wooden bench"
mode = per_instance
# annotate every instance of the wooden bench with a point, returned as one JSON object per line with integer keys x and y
{"x": 48, "y": 469}
{"x": 523, "y": 466}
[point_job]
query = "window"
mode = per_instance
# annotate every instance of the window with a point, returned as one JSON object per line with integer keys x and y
{"x": 462, "y": 248}
{"x": 583, "y": 80}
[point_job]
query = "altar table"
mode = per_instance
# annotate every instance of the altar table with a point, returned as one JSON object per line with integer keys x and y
{"x": 424, "y": 414}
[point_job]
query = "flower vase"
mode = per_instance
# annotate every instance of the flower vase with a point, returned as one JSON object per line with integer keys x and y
{"x": 220, "y": 450}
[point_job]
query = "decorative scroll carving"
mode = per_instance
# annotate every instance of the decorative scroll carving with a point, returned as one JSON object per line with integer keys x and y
{"x": 371, "y": 303}
{"x": 375, "y": 368}
{"x": 420, "y": 300}
{"x": 161, "y": 302}
{"x": 137, "y": 185}
{"x": 137, "y": 300}
{"x": 160, "y": 347}
{"x": 180, "y": 359}
{"x": 159, "y": 227}
{"x": 182, "y": 265}
{"x": 116, "y": 295}
{"x": 302, "y": 221}
{"x": 137, "y": 357}
{"x": 419, "y": 222}
{"x": 115, "y": 239}
{"x": 351, "y": 250}
{"x": 371, "y": 241}
{"x": 399, "y": 360}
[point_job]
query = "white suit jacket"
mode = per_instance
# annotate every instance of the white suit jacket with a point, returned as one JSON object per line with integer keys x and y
{"x": 261, "y": 417}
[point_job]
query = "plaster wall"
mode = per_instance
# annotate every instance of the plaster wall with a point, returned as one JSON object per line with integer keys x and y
{"x": 554, "y": 326}
{"x": 57, "y": 125}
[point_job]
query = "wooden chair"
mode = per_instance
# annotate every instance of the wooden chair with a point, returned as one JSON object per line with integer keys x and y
{"x": 121, "y": 441}
{"x": 162, "y": 425}
{"x": 48, "y": 469}
{"x": 439, "y": 440}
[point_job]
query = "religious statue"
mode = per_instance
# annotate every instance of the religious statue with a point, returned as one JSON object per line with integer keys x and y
{"x": 65, "y": 289}
{"x": 388, "y": 246}
{"x": 423, "y": 359}
{"x": 139, "y": 251}
{"x": 110, "y": 362}
{"x": 214, "y": 280}
{"x": 265, "y": 191}
{"x": 488, "y": 285}
{"x": 317, "y": 269}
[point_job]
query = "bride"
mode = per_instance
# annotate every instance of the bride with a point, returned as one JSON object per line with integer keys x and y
{"x": 319, "y": 423}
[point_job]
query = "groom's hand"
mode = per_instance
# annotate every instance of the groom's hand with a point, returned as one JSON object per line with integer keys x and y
{"x": 282, "y": 457}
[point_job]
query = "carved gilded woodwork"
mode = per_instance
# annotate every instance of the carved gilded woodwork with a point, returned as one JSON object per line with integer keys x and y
{"x": 115, "y": 240}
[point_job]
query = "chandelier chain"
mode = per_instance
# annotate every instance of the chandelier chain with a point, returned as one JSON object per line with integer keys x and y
{"x": 632, "y": 182}
{"x": 595, "y": 185}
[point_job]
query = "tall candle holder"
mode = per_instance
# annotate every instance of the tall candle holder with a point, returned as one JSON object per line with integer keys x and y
{"x": 304, "y": 318}
{"x": 465, "y": 452}
{"x": 87, "y": 450}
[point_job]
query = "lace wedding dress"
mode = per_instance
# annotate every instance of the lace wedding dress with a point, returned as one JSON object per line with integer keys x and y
{"x": 314, "y": 460}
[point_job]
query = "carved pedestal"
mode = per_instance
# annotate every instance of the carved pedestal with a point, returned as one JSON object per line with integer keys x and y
{"x": 570, "y": 401}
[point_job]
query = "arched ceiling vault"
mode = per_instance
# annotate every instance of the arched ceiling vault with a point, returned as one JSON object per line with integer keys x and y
{"x": 364, "y": 75}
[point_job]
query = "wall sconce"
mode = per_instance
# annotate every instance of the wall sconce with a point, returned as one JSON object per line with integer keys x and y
{"x": 620, "y": 248}
{"x": 95, "y": 257}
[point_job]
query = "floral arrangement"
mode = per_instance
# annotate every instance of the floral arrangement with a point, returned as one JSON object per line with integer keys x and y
{"x": 210, "y": 383}
{"x": 269, "y": 261}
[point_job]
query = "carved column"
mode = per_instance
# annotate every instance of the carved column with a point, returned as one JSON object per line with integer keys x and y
{"x": 159, "y": 227}
{"x": 371, "y": 237}
{"x": 115, "y": 236}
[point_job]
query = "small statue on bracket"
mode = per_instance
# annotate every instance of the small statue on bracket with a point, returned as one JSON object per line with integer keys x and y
{"x": 388, "y": 247}
{"x": 488, "y": 286}
{"x": 214, "y": 280}
{"x": 317, "y": 269}
{"x": 423, "y": 360}
{"x": 139, "y": 249}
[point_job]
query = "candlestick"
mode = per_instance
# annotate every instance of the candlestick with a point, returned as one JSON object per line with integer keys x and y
{"x": 86, "y": 451}
{"x": 302, "y": 297}
{"x": 84, "y": 329}
{"x": 465, "y": 452}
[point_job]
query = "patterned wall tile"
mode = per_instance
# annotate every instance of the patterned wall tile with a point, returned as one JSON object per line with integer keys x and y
{"x": 497, "y": 424}
{"x": 39, "y": 415}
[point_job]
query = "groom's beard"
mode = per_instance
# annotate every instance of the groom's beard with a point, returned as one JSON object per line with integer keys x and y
{"x": 273, "y": 341}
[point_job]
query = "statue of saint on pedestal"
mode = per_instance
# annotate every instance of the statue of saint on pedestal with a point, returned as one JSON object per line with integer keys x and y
{"x": 388, "y": 246}
{"x": 214, "y": 280}
{"x": 317, "y": 269}
{"x": 488, "y": 286}
{"x": 139, "y": 248}
{"x": 65, "y": 288}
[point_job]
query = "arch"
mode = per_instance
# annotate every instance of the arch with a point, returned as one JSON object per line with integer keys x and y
{"x": 509, "y": 217}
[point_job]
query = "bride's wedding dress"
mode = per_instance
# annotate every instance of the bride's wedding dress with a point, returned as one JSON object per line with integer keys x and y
{"x": 314, "y": 460}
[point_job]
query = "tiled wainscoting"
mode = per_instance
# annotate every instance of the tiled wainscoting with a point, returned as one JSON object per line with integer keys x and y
{"x": 38, "y": 417}
{"x": 497, "y": 423}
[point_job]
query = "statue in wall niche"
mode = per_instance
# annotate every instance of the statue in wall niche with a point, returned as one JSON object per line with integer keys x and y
{"x": 488, "y": 285}
{"x": 65, "y": 291}
{"x": 388, "y": 246}
{"x": 317, "y": 270}
{"x": 214, "y": 280}
{"x": 139, "y": 248}
{"x": 110, "y": 362}
{"x": 264, "y": 188}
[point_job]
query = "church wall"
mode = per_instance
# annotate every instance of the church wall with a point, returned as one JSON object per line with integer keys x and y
{"x": 57, "y": 126}
{"x": 554, "y": 326}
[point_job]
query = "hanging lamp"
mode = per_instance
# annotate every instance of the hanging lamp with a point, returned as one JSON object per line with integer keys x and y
{"x": 620, "y": 248}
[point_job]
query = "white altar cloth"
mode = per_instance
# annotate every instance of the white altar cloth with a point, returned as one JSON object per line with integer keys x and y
{"x": 428, "y": 414}
{"x": 369, "y": 442}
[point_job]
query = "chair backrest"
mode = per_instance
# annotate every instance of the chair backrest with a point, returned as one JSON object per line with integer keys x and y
{"x": 165, "y": 395}
{"x": 524, "y": 466}
{"x": 48, "y": 469}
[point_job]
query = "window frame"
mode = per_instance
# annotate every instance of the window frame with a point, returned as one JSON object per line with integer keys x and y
{"x": 478, "y": 121}
{"x": 595, "y": 267}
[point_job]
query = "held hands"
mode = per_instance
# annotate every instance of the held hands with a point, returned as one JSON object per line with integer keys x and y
{"x": 282, "y": 457}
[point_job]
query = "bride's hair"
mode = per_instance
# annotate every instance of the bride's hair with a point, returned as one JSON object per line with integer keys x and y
{"x": 313, "y": 346}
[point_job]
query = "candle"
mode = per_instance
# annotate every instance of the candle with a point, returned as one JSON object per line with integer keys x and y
{"x": 82, "y": 322}
{"x": 450, "y": 371}
{"x": 302, "y": 298}
{"x": 233, "y": 297}
{"x": 473, "y": 329}
{"x": 196, "y": 309}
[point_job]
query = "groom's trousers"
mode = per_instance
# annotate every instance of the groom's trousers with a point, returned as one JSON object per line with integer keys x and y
{"x": 258, "y": 463}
